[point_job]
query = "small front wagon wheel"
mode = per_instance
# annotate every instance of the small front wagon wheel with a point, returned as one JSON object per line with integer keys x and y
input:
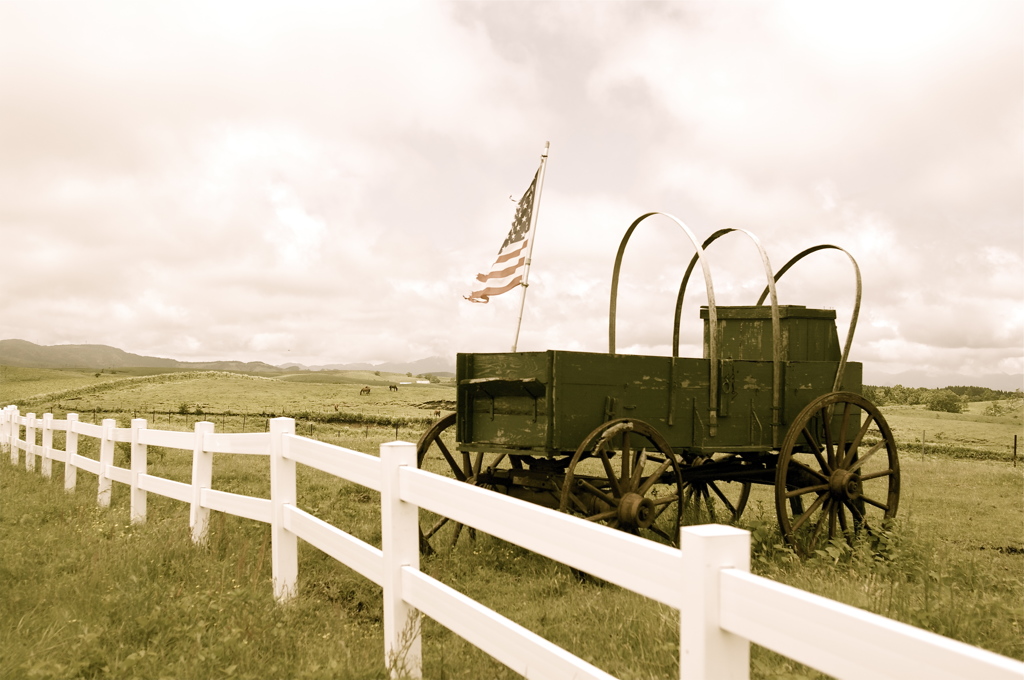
{"x": 837, "y": 472}
{"x": 625, "y": 475}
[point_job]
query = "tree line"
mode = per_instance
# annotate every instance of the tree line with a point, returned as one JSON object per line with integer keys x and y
{"x": 953, "y": 399}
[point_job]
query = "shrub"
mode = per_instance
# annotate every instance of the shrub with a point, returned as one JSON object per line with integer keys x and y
{"x": 945, "y": 400}
{"x": 995, "y": 409}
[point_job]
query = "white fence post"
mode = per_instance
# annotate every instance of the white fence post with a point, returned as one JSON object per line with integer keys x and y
{"x": 284, "y": 549}
{"x": 138, "y": 465}
{"x": 202, "y": 478}
{"x": 706, "y": 651}
{"x": 47, "y": 464}
{"x": 30, "y": 442}
{"x": 105, "y": 483}
{"x": 400, "y": 542}
{"x": 15, "y": 431}
{"x": 5, "y": 429}
{"x": 71, "y": 447}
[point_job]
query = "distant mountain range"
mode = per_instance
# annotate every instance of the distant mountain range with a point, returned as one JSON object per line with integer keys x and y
{"x": 436, "y": 365}
{"x": 30, "y": 355}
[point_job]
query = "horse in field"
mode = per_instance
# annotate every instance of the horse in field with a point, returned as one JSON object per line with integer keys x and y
{"x": 393, "y": 388}
{"x": 364, "y": 391}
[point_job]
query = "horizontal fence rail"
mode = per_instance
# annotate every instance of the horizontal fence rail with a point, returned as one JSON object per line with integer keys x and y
{"x": 723, "y": 608}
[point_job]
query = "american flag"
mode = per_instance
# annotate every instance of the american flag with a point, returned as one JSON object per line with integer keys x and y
{"x": 507, "y": 271}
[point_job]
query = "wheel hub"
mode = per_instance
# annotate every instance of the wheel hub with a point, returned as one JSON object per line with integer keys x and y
{"x": 636, "y": 510}
{"x": 844, "y": 485}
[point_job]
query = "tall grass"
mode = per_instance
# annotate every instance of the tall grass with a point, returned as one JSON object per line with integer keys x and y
{"x": 84, "y": 594}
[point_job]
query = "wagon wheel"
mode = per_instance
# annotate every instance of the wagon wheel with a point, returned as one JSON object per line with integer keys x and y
{"x": 434, "y": 453}
{"x": 849, "y": 478}
{"x": 641, "y": 492}
{"x": 712, "y": 501}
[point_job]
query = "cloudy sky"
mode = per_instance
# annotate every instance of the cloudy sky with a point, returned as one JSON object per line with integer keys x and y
{"x": 320, "y": 182}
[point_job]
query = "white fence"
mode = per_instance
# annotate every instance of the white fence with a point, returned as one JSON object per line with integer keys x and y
{"x": 722, "y": 607}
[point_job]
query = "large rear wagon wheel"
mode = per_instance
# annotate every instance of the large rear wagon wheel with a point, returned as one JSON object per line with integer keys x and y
{"x": 837, "y": 473}
{"x": 625, "y": 475}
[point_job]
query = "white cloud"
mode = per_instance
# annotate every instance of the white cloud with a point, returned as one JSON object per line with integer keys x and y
{"x": 318, "y": 182}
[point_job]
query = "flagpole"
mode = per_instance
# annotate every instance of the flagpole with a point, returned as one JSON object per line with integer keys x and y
{"x": 534, "y": 211}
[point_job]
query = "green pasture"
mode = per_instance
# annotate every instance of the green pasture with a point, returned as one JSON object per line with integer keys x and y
{"x": 971, "y": 434}
{"x": 318, "y": 396}
{"x": 84, "y": 594}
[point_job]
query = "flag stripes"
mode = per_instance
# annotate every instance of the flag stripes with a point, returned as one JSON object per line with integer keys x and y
{"x": 507, "y": 271}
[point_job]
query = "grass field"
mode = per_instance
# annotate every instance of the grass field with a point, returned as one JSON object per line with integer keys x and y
{"x": 85, "y": 594}
{"x": 971, "y": 434}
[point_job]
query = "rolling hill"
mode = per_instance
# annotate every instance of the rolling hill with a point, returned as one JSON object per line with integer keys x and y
{"x": 30, "y": 355}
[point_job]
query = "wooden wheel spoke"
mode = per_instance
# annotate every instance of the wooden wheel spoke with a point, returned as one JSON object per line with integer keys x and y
{"x": 872, "y": 451}
{"x": 728, "y": 504}
{"x": 458, "y": 532}
{"x": 467, "y": 464}
{"x": 813, "y": 540}
{"x": 456, "y": 470}
{"x": 842, "y": 518}
{"x": 579, "y": 504}
{"x": 625, "y": 456}
{"x": 650, "y": 481}
{"x": 855, "y": 444}
{"x": 830, "y": 451}
{"x": 610, "y": 473}
{"x": 608, "y": 514}
{"x": 638, "y": 469}
{"x": 661, "y": 507}
{"x": 710, "y": 505}
{"x": 661, "y": 533}
{"x": 812, "y": 442}
{"x": 434, "y": 529}
{"x": 478, "y": 463}
{"x": 871, "y": 501}
{"x": 824, "y": 464}
{"x": 855, "y": 512}
{"x": 593, "y": 490}
{"x": 808, "y": 512}
{"x": 876, "y": 475}
{"x": 806, "y": 468}
{"x": 807, "y": 489}
{"x": 832, "y": 518}
{"x": 841, "y": 451}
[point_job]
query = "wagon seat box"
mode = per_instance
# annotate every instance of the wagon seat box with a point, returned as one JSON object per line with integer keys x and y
{"x": 809, "y": 354}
